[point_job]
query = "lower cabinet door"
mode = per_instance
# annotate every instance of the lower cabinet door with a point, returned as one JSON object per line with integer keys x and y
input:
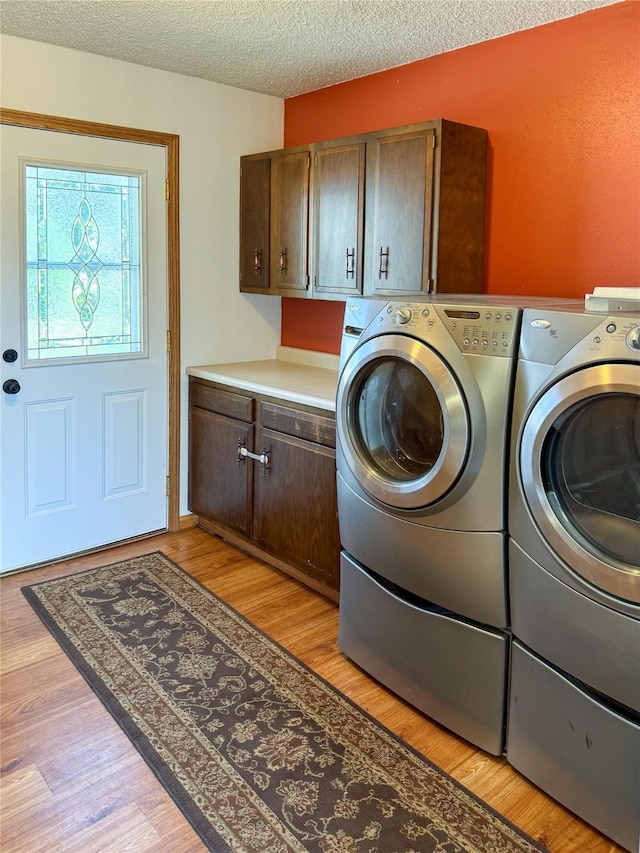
{"x": 295, "y": 505}
{"x": 220, "y": 484}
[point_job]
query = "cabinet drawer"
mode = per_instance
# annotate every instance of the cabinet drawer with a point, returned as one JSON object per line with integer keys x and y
{"x": 318, "y": 428}
{"x": 206, "y": 396}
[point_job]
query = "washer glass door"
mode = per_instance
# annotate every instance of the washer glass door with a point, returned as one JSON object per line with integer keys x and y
{"x": 402, "y": 422}
{"x": 582, "y": 474}
{"x": 397, "y": 420}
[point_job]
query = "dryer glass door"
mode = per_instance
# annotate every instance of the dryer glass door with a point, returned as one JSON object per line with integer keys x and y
{"x": 402, "y": 422}
{"x": 591, "y": 473}
{"x": 580, "y": 458}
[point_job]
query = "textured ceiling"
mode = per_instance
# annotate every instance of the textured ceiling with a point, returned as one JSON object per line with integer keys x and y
{"x": 277, "y": 47}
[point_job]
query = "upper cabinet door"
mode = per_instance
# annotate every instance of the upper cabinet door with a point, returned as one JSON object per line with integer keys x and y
{"x": 290, "y": 185}
{"x": 255, "y": 194}
{"x": 393, "y": 213}
{"x": 425, "y": 201}
{"x": 399, "y": 194}
{"x": 338, "y": 218}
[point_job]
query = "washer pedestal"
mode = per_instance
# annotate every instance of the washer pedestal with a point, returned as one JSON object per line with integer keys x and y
{"x": 453, "y": 670}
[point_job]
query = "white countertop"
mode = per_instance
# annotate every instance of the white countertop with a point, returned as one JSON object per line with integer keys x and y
{"x": 301, "y": 376}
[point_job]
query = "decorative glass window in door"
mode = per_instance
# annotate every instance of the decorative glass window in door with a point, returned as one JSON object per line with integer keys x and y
{"x": 84, "y": 291}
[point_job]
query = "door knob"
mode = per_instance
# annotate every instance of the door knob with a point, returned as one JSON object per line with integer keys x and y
{"x": 11, "y": 386}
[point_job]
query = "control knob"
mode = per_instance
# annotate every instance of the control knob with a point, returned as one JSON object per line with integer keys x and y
{"x": 403, "y": 316}
{"x": 633, "y": 338}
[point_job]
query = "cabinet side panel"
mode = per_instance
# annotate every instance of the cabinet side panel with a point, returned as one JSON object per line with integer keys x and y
{"x": 459, "y": 209}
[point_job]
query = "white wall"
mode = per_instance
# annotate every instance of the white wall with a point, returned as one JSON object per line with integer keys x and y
{"x": 216, "y": 124}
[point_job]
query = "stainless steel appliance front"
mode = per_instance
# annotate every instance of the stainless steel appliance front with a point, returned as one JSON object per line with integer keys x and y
{"x": 422, "y": 433}
{"x": 574, "y": 565}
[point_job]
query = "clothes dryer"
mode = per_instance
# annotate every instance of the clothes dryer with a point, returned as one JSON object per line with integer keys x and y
{"x": 423, "y": 405}
{"x": 574, "y": 565}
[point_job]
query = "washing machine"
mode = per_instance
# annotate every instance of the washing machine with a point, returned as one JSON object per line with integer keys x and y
{"x": 574, "y": 565}
{"x": 423, "y": 405}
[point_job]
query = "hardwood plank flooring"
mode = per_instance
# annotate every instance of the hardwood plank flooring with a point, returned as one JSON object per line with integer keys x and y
{"x": 71, "y": 781}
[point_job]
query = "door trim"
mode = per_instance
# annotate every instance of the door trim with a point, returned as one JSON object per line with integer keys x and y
{"x": 171, "y": 142}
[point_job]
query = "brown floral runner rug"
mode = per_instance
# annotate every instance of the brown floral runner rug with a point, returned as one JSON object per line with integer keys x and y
{"x": 258, "y": 752}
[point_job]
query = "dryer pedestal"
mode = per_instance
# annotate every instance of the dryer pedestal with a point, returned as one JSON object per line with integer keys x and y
{"x": 584, "y": 754}
{"x": 453, "y": 670}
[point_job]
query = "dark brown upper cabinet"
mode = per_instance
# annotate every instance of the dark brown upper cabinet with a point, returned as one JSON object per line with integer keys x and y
{"x": 338, "y": 218}
{"x": 398, "y": 212}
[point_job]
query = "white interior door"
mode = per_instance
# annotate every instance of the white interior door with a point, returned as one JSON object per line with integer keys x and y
{"x": 83, "y": 313}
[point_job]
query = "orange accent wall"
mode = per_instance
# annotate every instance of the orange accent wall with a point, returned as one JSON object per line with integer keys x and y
{"x": 561, "y": 104}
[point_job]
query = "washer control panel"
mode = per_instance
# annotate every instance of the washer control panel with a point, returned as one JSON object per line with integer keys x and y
{"x": 617, "y": 332}
{"x": 484, "y": 330}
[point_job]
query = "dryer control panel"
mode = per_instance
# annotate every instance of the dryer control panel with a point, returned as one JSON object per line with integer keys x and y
{"x": 483, "y": 330}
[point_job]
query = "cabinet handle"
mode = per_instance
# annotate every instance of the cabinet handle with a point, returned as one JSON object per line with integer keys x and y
{"x": 257, "y": 260}
{"x": 383, "y": 265}
{"x": 283, "y": 261}
{"x": 263, "y": 457}
{"x": 351, "y": 263}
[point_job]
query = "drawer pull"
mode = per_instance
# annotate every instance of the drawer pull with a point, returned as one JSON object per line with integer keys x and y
{"x": 263, "y": 457}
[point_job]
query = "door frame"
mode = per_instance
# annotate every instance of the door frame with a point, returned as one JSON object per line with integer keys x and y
{"x": 171, "y": 142}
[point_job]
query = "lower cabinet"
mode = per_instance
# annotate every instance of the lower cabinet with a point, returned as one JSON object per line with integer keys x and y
{"x": 262, "y": 474}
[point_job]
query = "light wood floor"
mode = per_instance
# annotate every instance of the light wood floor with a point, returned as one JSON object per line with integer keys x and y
{"x": 71, "y": 780}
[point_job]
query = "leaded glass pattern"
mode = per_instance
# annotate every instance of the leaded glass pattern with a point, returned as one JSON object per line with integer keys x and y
{"x": 83, "y": 263}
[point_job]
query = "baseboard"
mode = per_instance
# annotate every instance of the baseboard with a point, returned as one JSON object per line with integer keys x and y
{"x": 277, "y": 563}
{"x": 187, "y": 521}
